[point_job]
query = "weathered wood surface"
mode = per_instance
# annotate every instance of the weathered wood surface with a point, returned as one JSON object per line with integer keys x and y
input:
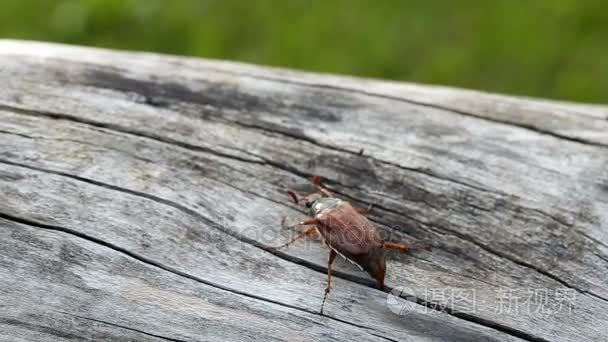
{"x": 140, "y": 193}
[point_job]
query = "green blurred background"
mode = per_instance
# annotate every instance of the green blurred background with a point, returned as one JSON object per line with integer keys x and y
{"x": 553, "y": 48}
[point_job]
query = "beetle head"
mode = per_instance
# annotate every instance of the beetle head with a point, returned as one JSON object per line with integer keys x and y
{"x": 311, "y": 199}
{"x": 317, "y": 202}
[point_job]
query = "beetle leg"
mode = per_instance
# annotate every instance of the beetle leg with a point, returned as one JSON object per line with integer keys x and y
{"x": 404, "y": 246}
{"x": 316, "y": 180}
{"x": 365, "y": 211}
{"x": 301, "y": 223}
{"x": 297, "y": 200}
{"x": 332, "y": 257}
{"x": 294, "y": 196}
{"x": 320, "y": 188}
{"x": 308, "y": 222}
{"x": 310, "y": 231}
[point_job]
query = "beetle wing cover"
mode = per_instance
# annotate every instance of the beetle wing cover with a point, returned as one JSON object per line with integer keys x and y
{"x": 348, "y": 232}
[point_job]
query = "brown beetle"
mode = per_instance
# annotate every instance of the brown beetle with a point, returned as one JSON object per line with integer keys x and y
{"x": 347, "y": 232}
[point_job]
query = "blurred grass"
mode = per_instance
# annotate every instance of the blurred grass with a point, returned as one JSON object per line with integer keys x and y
{"x": 551, "y": 48}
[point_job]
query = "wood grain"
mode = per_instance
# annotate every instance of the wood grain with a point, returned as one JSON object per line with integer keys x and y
{"x": 141, "y": 194}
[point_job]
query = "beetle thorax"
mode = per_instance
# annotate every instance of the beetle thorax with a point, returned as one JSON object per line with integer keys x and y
{"x": 324, "y": 203}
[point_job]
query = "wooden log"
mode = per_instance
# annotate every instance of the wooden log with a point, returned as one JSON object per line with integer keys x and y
{"x": 141, "y": 194}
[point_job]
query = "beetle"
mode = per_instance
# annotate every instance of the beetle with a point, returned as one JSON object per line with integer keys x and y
{"x": 346, "y": 231}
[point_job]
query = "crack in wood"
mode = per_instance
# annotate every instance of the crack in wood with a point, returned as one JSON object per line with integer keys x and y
{"x": 457, "y": 234}
{"x": 494, "y": 325}
{"x": 356, "y": 153}
{"x": 285, "y": 256}
{"x": 121, "y": 327}
{"x": 158, "y": 103}
{"x": 528, "y": 127}
{"x": 118, "y": 128}
{"x": 175, "y": 271}
{"x": 531, "y": 128}
{"x": 266, "y": 161}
